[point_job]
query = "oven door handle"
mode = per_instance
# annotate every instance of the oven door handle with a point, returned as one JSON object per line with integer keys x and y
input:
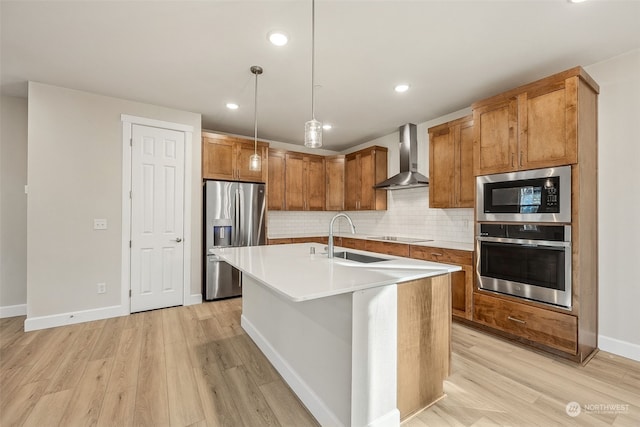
{"x": 526, "y": 242}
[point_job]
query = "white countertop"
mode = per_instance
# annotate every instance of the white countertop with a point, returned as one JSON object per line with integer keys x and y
{"x": 431, "y": 243}
{"x": 293, "y": 272}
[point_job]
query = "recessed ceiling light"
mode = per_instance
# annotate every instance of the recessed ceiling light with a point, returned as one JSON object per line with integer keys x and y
{"x": 232, "y": 106}
{"x": 326, "y": 126}
{"x": 278, "y": 38}
{"x": 401, "y": 88}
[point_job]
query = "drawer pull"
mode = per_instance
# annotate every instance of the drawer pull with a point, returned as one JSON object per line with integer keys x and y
{"x": 516, "y": 320}
{"x": 436, "y": 254}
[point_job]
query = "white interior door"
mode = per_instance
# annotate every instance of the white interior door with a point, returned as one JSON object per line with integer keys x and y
{"x": 157, "y": 216}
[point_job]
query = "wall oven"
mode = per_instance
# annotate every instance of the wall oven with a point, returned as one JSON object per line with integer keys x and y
{"x": 540, "y": 195}
{"x": 526, "y": 260}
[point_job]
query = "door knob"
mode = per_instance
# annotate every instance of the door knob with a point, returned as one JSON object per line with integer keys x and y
{"x": 178, "y": 239}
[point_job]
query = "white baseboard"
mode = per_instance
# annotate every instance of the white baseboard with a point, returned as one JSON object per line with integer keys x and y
{"x": 619, "y": 347}
{"x": 13, "y": 310}
{"x": 44, "y": 322}
{"x": 313, "y": 403}
{"x": 194, "y": 299}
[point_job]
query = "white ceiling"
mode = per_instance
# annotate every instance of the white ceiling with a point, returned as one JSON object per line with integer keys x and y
{"x": 196, "y": 56}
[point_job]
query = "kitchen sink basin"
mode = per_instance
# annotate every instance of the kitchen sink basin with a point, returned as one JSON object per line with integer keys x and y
{"x": 358, "y": 257}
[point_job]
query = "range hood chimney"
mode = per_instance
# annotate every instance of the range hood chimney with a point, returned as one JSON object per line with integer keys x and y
{"x": 409, "y": 177}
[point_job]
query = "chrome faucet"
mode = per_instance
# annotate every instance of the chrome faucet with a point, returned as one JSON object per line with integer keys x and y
{"x": 330, "y": 245}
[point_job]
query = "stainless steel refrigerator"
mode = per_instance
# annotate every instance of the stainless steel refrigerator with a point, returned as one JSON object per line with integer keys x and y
{"x": 234, "y": 214}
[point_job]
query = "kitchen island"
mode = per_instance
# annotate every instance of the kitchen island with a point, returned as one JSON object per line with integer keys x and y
{"x": 360, "y": 343}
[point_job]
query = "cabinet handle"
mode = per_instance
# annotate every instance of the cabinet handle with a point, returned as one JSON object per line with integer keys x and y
{"x": 436, "y": 254}
{"x": 520, "y": 158}
{"x": 513, "y": 158}
{"x": 516, "y": 320}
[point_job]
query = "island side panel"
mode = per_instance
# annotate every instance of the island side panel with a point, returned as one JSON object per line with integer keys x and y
{"x": 424, "y": 342}
{"x": 309, "y": 344}
{"x": 373, "y": 394}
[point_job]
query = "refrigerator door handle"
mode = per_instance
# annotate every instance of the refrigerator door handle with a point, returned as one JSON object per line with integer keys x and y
{"x": 236, "y": 220}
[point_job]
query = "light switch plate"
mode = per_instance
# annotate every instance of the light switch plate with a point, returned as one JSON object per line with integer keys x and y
{"x": 99, "y": 224}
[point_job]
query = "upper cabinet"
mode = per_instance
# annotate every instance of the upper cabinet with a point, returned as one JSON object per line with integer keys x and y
{"x": 227, "y": 157}
{"x": 364, "y": 169}
{"x": 334, "y": 173}
{"x": 530, "y": 127}
{"x": 276, "y": 182}
{"x": 304, "y": 182}
{"x": 451, "y": 179}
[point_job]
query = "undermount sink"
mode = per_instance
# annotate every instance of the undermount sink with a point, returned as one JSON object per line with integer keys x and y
{"x": 400, "y": 239}
{"x": 358, "y": 257}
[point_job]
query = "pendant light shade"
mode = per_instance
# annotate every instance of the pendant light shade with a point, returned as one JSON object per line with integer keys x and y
{"x": 313, "y": 134}
{"x": 255, "y": 161}
{"x": 313, "y": 128}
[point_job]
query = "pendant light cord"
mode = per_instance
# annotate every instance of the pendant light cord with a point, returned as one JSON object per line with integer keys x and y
{"x": 313, "y": 55}
{"x": 255, "y": 117}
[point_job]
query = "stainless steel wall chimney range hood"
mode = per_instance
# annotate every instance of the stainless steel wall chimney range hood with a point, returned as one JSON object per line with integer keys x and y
{"x": 409, "y": 177}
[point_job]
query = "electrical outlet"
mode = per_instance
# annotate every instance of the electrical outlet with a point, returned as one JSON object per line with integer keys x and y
{"x": 102, "y": 288}
{"x": 99, "y": 224}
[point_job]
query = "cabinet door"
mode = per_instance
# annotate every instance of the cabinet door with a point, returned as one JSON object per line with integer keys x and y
{"x": 276, "y": 182}
{"x": 218, "y": 158}
{"x": 367, "y": 180}
{"x": 465, "y": 180}
{"x": 294, "y": 182}
{"x": 352, "y": 182}
{"x": 315, "y": 184}
{"x": 334, "y": 172}
{"x": 548, "y": 125}
{"x": 495, "y": 137}
{"x": 244, "y": 152}
{"x": 441, "y": 169}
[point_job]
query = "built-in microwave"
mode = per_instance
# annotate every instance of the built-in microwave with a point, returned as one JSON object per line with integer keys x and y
{"x": 539, "y": 195}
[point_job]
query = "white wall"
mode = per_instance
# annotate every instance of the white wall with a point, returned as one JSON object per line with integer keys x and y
{"x": 619, "y": 203}
{"x": 13, "y": 206}
{"x": 74, "y": 176}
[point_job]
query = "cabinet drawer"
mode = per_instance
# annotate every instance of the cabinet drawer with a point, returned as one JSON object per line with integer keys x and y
{"x": 453, "y": 256}
{"x": 397, "y": 249}
{"x": 348, "y": 242}
{"x": 546, "y": 327}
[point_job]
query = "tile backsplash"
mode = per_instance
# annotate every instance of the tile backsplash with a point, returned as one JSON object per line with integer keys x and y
{"x": 407, "y": 215}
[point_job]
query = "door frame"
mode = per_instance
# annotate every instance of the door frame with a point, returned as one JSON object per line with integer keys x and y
{"x": 127, "y": 129}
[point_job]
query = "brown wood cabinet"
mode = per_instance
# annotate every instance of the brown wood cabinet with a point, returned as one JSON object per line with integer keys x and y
{"x": 364, "y": 169}
{"x": 461, "y": 281}
{"x": 547, "y": 123}
{"x": 530, "y": 127}
{"x": 276, "y": 182}
{"x": 226, "y": 157}
{"x": 334, "y": 172}
{"x": 351, "y": 243}
{"x": 552, "y": 329}
{"x": 451, "y": 178}
{"x": 389, "y": 248}
{"x": 304, "y": 182}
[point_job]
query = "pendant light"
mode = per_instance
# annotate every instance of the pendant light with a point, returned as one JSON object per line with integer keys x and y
{"x": 313, "y": 128}
{"x": 255, "y": 161}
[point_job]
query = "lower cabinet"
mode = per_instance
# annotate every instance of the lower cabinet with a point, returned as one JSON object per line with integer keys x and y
{"x": 546, "y": 327}
{"x": 397, "y": 249}
{"x": 461, "y": 281}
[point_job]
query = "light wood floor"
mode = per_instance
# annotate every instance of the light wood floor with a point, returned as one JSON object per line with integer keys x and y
{"x": 194, "y": 366}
